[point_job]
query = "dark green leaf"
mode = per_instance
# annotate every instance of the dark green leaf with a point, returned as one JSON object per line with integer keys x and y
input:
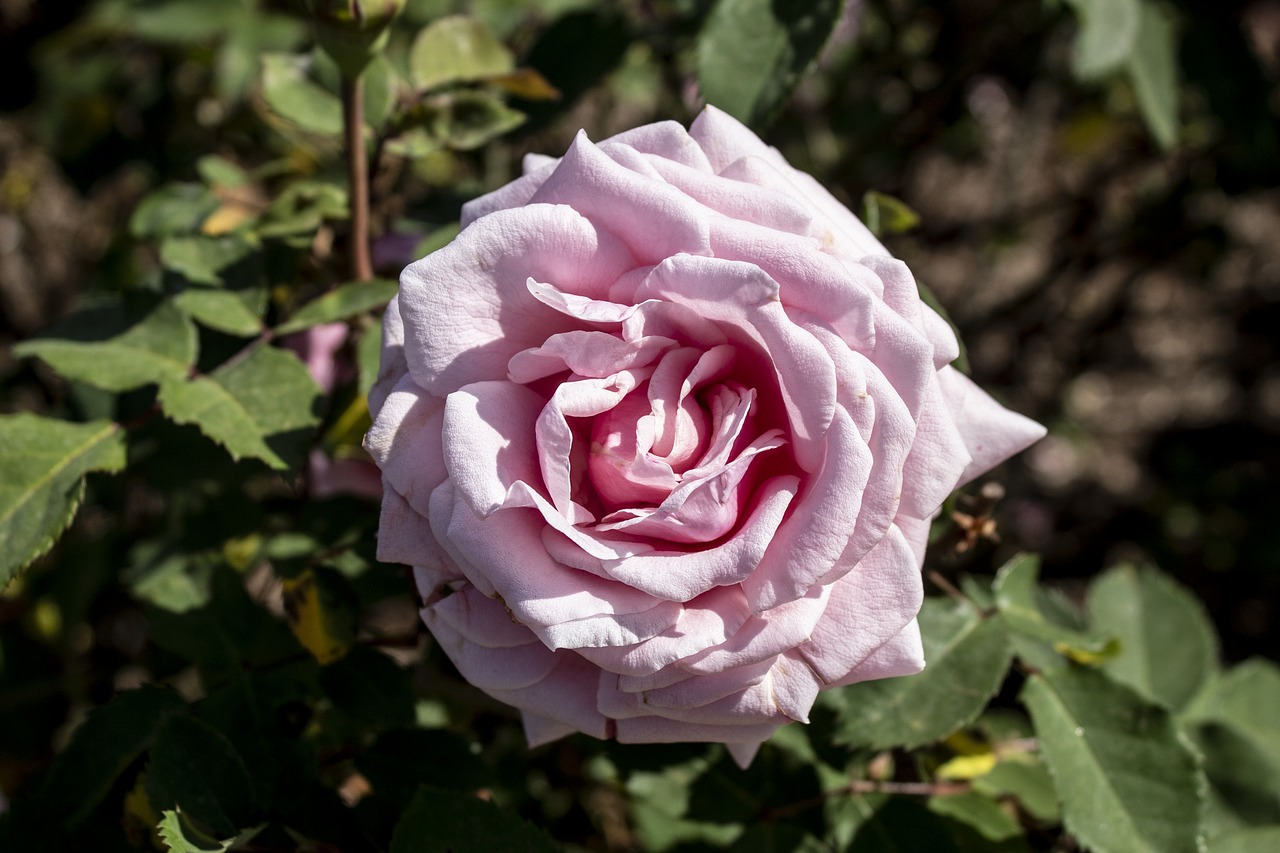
{"x": 43, "y": 462}
{"x": 339, "y": 304}
{"x": 1246, "y": 698}
{"x": 448, "y": 822}
{"x": 1244, "y": 786}
{"x": 177, "y": 582}
{"x": 369, "y": 687}
{"x": 402, "y": 759}
{"x": 1024, "y": 608}
{"x": 1128, "y": 779}
{"x": 301, "y": 208}
{"x": 261, "y": 406}
{"x": 1153, "y": 69}
{"x": 294, "y": 96}
{"x": 197, "y": 770}
{"x": 967, "y": 659}
{"x": 230, "y": 631}
{"x": 159, "y": 346}
{"x": 753, "y": 53}
{"x": 200, "y": 259}
{"x": 899, "y": 825}
{"x": 222, "y": 310}
{"x": 1168, "y": 649}
{"x": 104, "y": 746}
{"x": 172, "y": 209}
{"x": 457, "y": 49}
{"x": 978, "y": 811}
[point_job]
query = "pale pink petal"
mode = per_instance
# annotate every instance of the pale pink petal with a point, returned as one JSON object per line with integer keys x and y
{"x": 902, "y": 654}
{"x": 725, "y": 140}
{"x": 744, "y": 302}
{"x": 467, "y": 308}
{"x": 653, "y": 220}
{"x": 404, "y": 535}
{"x": 666, "y": 140}
{"x": 539, "y": 730}
{"x": 822, "y": 520}
{"x": 404, "y": 441}
{"x": 764, "y": 636}
{"x": 868, "y": 606}
{"x": 393, "y": 365}
{"x": 991, "y": 432}
{"x": 515, "y": 194}
{"x": 662, "y": 730}
{"x": 586, "y": 353}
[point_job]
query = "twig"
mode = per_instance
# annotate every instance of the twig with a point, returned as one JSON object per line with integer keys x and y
{"x": 357, "y": 178}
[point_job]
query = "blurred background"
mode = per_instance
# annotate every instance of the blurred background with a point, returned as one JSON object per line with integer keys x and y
{"x": 1112, "y": 264}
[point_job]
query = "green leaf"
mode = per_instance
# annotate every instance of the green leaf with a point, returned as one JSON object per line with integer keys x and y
{"x": 222, "y": 310}
{"x": 448, "y": 822}
{"x": 369, "y": 687}
{"x": 403, "y": 759}
{"x": 982, "y": 813}
{"x": 43, "y": 463}
{"x": 340, "y": 303}
{"x": 292, "y": 95}
{"x": 1168, "y": 649}
{"x": 457, "y": 49}
{"x": 219, "y": 171}
{"x": 172, "y": 209}
{"x": 159, "y": 346}
{"x": 103, "y": 747}
{"x": 900, "y": 825}
{"x": 1246, "y": 698}
{"x": 1025, "y": 609}
{"x": 884, "y": 214}
{"x": 200, "y": 259}
{"x": 967, "y": 660}
{"x": 176, "y": 583}
{"x": 180, "y": 836}
{"x": 753, "y": 53}
{"x": 461, "y": 121}
{"x": 1153, "y": 70}
{"x": 1244, "y": 787}
{"x": 1257, "y": 839}
{"x": 301, "y": 208}
{"x": 1128, "y": 778}
{"x": 1027, "y": 779}
{"x": 1107, "y": 35}
{"x": 260, "y": 407}
{"x": 194, "y": 768}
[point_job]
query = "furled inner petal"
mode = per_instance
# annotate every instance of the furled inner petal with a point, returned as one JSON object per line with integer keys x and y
{"x": 703, "y": 508}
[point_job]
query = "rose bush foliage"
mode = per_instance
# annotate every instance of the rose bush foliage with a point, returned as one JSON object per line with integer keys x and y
{"x": 662, "y": 432}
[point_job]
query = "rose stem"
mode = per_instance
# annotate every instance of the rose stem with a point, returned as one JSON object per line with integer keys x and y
{"x": 357, "y": 177}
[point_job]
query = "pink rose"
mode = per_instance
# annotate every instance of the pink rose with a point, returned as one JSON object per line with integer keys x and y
{"x": 661, "y": 432}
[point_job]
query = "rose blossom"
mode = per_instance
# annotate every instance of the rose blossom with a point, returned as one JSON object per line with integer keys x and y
{"x": 661, "y": 433}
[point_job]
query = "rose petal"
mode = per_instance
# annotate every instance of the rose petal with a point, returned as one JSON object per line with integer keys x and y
{"x": 653, "y": 220}
{"x": 452, "y": 341}
{"x": 991, "y": 432}
{"x": 868, "y": 606}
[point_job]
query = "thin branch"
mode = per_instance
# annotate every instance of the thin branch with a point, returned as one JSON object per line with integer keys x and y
{"x": 357, "y": 178}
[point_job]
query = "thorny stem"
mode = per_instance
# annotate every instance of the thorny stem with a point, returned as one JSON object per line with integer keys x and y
{"x": 357, "y": 177}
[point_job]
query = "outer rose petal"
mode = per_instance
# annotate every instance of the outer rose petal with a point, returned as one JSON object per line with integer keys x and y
{"x": 662, "y": 433}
